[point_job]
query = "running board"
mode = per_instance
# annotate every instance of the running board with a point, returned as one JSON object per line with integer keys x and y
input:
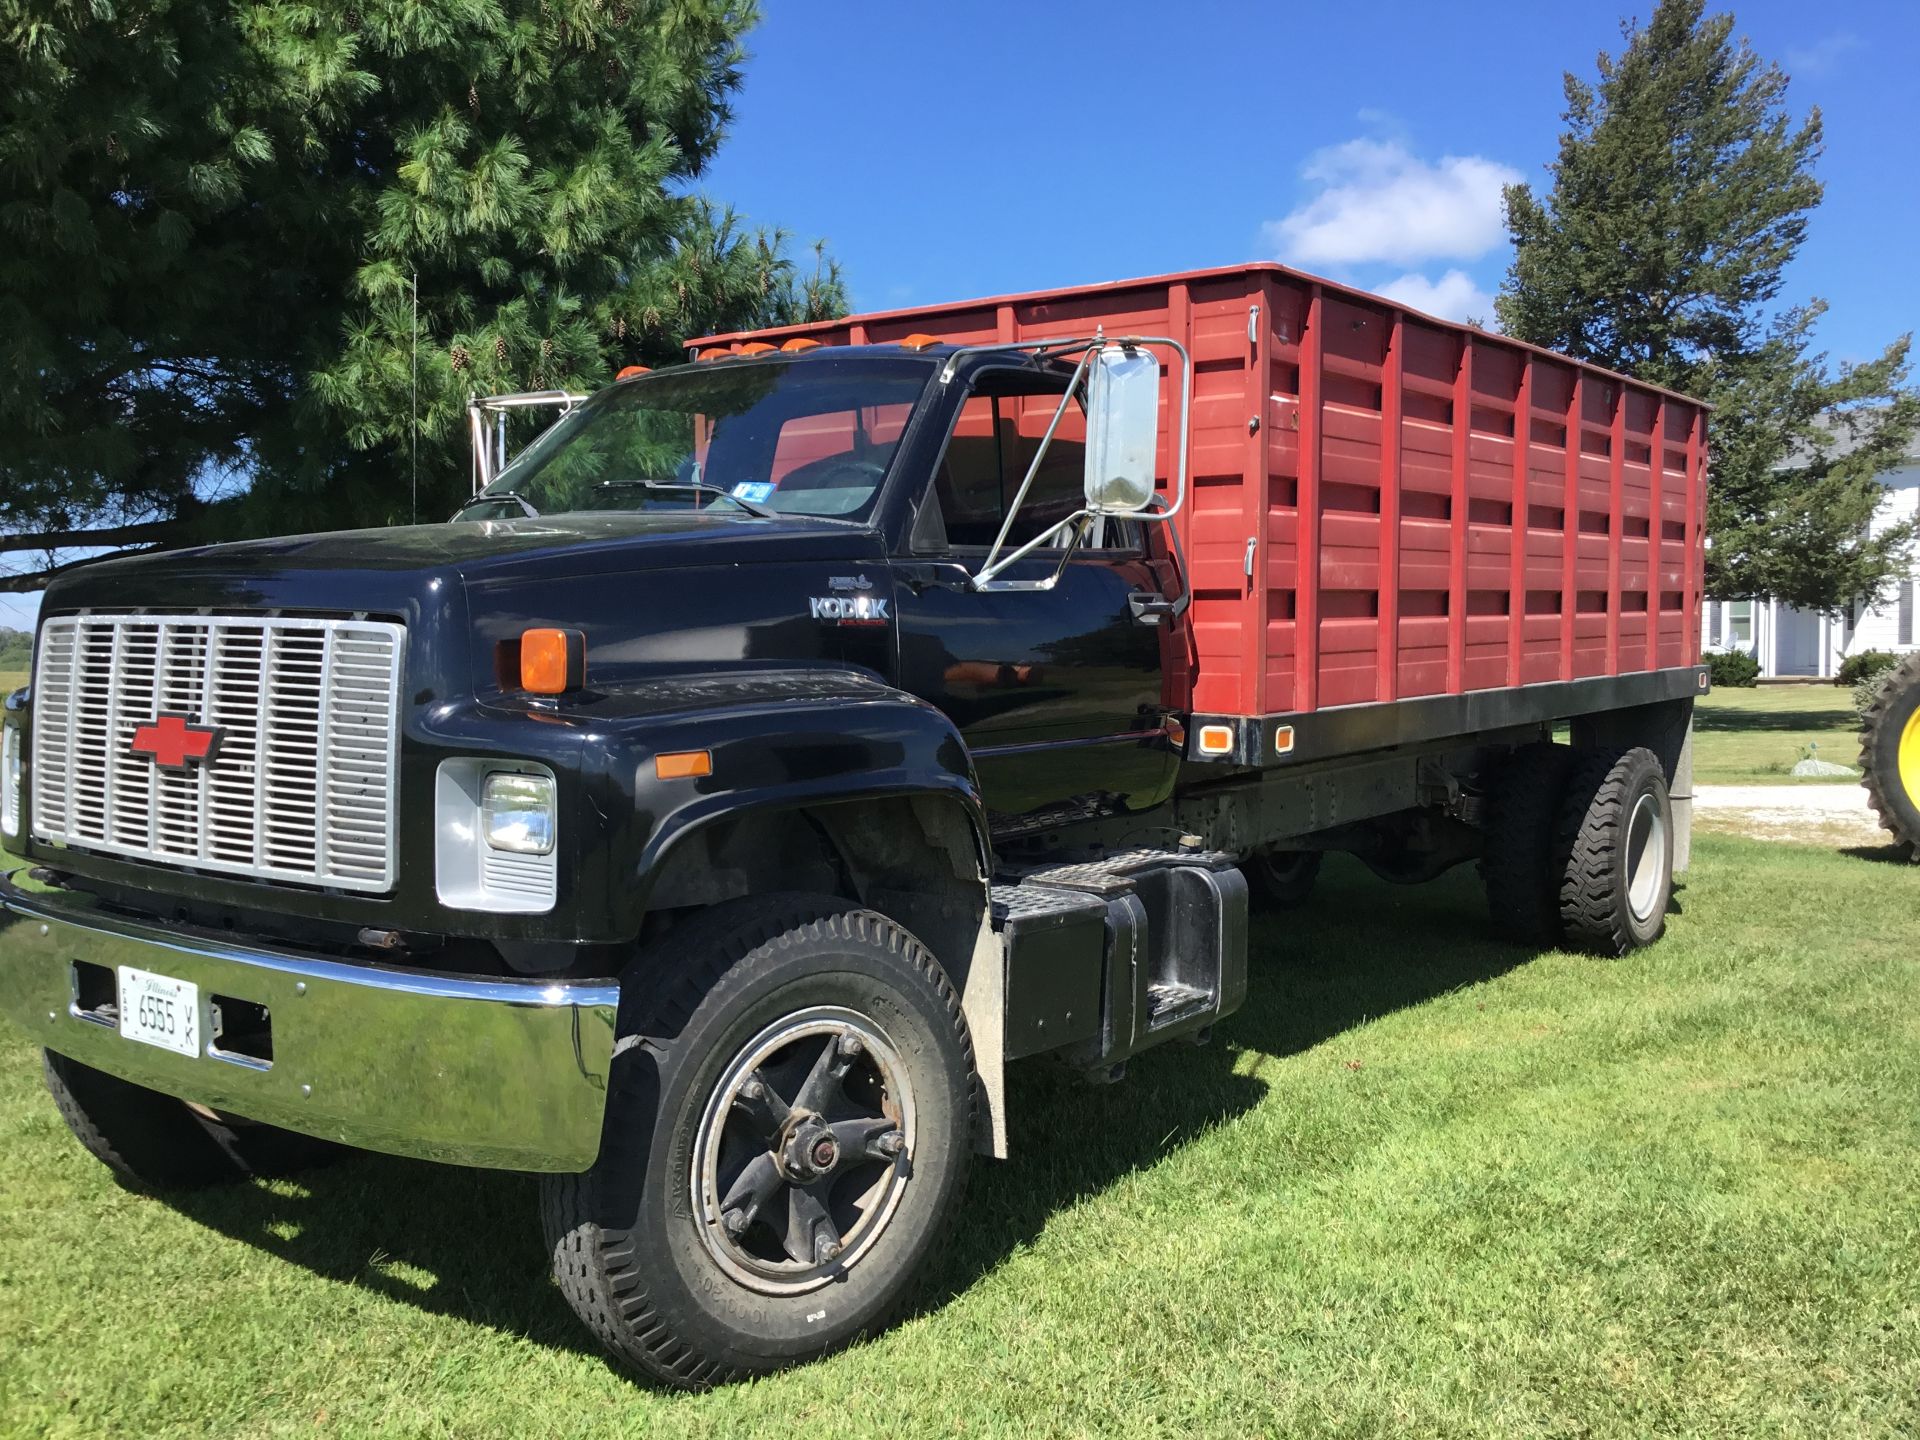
{"x": 1107, "y": 956}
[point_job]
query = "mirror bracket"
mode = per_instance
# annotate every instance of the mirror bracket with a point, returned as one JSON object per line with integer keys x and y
{"x": 1157, "y": 509}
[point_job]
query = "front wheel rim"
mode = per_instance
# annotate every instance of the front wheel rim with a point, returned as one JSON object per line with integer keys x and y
{"x": 804, "y": 1151}
{"x": 1646, "y": 856}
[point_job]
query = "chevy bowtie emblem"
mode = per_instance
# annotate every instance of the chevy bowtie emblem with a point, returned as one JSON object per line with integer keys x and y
{"x": 175, "y": 742}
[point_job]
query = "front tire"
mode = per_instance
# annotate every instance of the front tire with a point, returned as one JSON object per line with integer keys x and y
{"x": 788, "y": 1127}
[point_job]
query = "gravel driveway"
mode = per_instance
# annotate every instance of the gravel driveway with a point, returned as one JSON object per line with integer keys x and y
{"x": 1813, "y": 813}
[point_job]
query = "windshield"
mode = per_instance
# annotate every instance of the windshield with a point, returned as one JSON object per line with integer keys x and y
{"x": 810, "y": 437}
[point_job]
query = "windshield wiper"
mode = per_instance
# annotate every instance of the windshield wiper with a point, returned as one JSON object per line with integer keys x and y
{"x": 697, "y": 486}
{"x": 526, "y": 505}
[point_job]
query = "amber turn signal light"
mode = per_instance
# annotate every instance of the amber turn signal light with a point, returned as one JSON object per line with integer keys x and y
{"x": 627, "y": 372}
{"x": 1216, "y": 740}
{"x": 683, "y": 765}
{"x": 552, "y": 662}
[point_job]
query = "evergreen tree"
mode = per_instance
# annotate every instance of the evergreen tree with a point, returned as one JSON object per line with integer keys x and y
{"x": 215, "y": 219}
{"x": 1680, "y": 193}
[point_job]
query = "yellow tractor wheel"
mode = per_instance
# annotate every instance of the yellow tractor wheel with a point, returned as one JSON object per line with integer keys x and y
{"x": 1890, "y": 752}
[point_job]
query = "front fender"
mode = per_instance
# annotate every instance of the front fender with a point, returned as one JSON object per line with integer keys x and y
{"x": 778, "y": 740}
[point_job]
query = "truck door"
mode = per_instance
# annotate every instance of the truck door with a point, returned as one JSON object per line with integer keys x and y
{"x": 1059, "y": 692}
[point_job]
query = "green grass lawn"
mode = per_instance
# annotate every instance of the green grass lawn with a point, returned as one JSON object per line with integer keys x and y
{"x": 1755, "y": 737}
{"x": 11, "y": 680}
{"x": 1422, "y": 1184}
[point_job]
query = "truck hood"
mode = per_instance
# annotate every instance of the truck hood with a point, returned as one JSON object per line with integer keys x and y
{"x": 583, "y": 544}
{"x": 653, "y": 592}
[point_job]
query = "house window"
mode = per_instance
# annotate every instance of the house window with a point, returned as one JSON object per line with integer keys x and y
{"x": 1904, "y": 635}
{"x": 1713, "y": 622}
{"x": 1740, "y": 623}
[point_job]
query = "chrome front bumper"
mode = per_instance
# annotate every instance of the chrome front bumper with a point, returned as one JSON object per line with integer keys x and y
{"x": 507, "y": 1074}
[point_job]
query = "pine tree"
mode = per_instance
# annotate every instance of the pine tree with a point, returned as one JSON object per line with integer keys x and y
{"x": 1680, "y": 193}
{"x": 215, "y": 220}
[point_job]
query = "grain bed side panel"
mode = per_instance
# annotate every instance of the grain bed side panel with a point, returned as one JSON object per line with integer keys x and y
{"x": 1479, "y": 514}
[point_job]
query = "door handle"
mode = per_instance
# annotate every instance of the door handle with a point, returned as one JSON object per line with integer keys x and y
{"x": 921, "y": 575}
{"x": 1149, "y": 607}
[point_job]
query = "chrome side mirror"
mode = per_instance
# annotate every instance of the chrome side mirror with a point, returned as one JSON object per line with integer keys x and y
{"x": 1123, "y": 429}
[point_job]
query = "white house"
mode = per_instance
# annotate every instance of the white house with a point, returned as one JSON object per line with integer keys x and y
{"x": 1789, "y": 642}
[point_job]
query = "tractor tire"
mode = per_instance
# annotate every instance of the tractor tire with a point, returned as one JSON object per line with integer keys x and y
{"x": 1281, "y": 879}
{"x": 154, "y": 1142}
{"x": 787, "y": 1132}
{"x": 1613, "y": 852}
{"x": 1516, "y": 864}
{"x": 1890, "y": 753}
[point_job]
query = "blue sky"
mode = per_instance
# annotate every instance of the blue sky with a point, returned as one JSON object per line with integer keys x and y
{"x": 950, "y": 151}
{"x": 960, "y": 150}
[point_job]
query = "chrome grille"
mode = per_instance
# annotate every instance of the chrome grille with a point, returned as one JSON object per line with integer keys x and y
{"x": 302, "y": 786}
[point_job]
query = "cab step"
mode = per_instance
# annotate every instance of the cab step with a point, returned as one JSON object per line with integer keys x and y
{"x": 1172, "y": 1003}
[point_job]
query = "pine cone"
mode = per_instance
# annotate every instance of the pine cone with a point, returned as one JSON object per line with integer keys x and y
{"x": 458, "y": 357}
{"x": 500, "y": 349}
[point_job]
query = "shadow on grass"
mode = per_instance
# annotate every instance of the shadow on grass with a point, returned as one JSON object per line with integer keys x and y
{"x": 466, "y": 1243}
{"x": 461, "y": 1243}
{"x": 1737, "y": 721}
{"x": 1901, "y": 855}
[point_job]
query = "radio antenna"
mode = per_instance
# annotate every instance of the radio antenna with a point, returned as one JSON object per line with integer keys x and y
{"x": 413, "y": 431}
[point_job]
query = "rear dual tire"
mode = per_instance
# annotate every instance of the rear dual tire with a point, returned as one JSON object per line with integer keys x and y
{"x": 1613, "y": 852}
{"x": 1579, "y": 848}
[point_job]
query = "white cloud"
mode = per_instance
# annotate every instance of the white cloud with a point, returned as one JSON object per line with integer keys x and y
{"x": 1380, "y": 202}
{"x": 1823, "y": 57}
{"x": 1454, "y": 296}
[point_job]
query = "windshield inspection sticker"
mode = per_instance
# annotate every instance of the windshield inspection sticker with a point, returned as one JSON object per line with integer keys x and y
{"x": 849, "y": 604}
{"x": 753, "y": 491}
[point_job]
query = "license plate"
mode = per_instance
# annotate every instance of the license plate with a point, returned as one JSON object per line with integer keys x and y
{"x": 159, "y": 1010}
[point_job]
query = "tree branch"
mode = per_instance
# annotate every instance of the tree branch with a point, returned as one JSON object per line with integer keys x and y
{"x": 145, "y": 532}
{"x": 26, "y": 580}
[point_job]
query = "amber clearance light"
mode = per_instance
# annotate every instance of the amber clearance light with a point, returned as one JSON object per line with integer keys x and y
{"x": 683, "y": 765}
{"x": 552, "y": 662}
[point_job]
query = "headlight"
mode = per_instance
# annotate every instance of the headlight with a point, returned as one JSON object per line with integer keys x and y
{"x": 516, "y": 813}
{"x": 495, "y": 830}
{"x": 10, "y": 781}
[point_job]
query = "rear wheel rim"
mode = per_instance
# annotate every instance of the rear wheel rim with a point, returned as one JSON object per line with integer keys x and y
{"x": 1646, "y": 857}
{"x": 804, "y": 1151}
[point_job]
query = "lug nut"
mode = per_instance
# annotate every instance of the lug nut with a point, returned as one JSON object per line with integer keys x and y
{"x": 827, "y": 1250}
{"x": 850, "y": 1045}
{"x": 735, "y": 1222}
{"x": 753, "y": 1090}
{"x": 891, "y": 1143}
